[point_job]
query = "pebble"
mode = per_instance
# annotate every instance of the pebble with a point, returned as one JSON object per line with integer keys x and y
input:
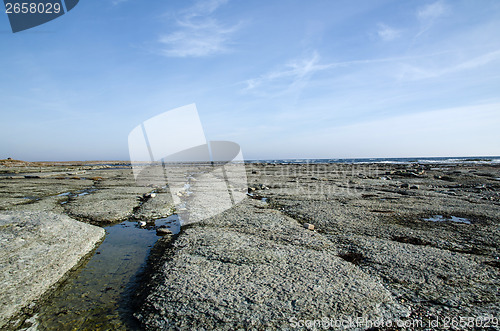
{"x": 163, "y": 231}
{"x": 309, "y": 226}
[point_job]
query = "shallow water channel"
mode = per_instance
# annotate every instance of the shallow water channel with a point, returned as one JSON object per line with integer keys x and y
{"x": 97, "y": 296}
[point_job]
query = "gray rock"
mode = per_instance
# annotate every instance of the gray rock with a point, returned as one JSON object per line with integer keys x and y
{"x": 238, "y": 271}
{"x": 254, "y": 266}
{"x": 38, "y": 249}
{"x": 106, "y": 205}
{"x": 156, "y": 207}
{"x": 424, "y": 273}
{"x": 163, "y": 231}
{"x": 309, "y": 226}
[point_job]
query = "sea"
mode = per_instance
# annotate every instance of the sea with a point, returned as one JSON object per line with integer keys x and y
{"x": 404, "y": 160}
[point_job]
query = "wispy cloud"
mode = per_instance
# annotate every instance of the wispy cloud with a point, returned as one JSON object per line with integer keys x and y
{"x": 198, "y": 33}
{"x": 432, "y": 11}
{"x": 291, "y": 74}
{"x": 118, "y": 2}
{"x": 412, "y": 72}
{"x": 427, "y": 15}
{"x": 386, "y": 33}
{"x": 299, "y": 71}
{"x": 204, "y": 7}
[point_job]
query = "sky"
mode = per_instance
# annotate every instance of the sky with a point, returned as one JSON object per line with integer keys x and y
{"x": 283, "y": 79}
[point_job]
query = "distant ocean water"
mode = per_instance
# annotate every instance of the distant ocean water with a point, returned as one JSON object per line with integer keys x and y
{"x": 404, "y": 160}
{"x": 389, "y": 160}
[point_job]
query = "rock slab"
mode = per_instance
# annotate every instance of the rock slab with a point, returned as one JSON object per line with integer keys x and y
{"x": 38, "y": 249}
{"x": 237, "y": 271}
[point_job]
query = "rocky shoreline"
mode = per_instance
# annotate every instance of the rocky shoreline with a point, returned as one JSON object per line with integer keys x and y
{"x": 389, "y": 242}
{"x": 51, "y": 206}
{"x": 414, "y": 243}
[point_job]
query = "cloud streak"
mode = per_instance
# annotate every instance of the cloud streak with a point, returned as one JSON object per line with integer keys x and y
{"x": 299, "y": 71}
{"x": 117, "y": 2}
{"x": 428, "y": 14}
{"x": 198, "y": 33}
{"x": 293, "y": 74}
{"x": 412, "y": 72}
{"x": 387, "y": 33}
{"x": 432, "y": 11}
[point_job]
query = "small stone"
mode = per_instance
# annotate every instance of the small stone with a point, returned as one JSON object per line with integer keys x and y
{"x": 163, "y": 231}
{"x": 152, "y": 195}
{"x": 309, "y": 226}
{"x": 405, "y": 185}
{"x": 142, "y": 223}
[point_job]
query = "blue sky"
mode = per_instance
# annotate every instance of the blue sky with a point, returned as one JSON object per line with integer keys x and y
{"x": 284, "y": 79}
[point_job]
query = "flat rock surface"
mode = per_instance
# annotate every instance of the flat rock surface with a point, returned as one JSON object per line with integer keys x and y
{"x": 390, "y": 241}
{"x": 46, "y": 194}
{"x": 38, "y": 249}
{"x": 93, "y": 194}
{"x": 107, "y": 205}
{"x": 237, "y": 270}
{"x": 386, "y": 244}
{"x": 159, "y": 206}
